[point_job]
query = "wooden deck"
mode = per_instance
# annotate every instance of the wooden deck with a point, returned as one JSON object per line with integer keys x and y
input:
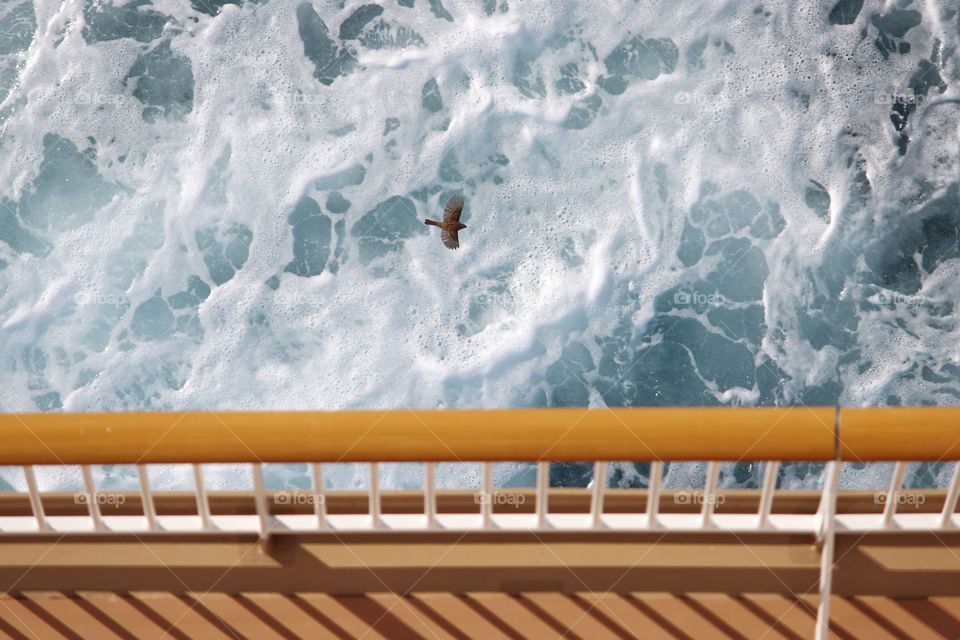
{"x": 474, "y": 585}
{"x": 385, "y": 616}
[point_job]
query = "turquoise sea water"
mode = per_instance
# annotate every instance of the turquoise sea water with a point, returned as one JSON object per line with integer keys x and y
{"x": 218, "y": 205}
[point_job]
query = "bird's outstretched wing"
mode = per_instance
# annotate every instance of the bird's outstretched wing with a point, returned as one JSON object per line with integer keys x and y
{"x": 450, "y": 239}
{"x": 453, "y": 209}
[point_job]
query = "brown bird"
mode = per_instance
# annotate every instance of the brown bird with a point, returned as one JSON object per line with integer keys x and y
{"x": 451, "y": 224}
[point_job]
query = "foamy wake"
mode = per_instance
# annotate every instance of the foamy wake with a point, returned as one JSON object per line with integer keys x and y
{"x": 219, "y": 206}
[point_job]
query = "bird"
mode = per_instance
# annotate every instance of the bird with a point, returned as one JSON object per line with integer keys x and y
{"x": 451, "y": 224}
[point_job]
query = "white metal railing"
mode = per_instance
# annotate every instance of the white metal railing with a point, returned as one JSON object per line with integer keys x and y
{"x": 264, "y": 521}
{"x": 823, "y": 524}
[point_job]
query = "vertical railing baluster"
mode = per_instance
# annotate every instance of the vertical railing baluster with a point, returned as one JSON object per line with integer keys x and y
{"x": 486, "y": 490}
{"x": 203, "y": 503}
{"x": 36, "y": 504}
{"x": 950, "y": 502}
{"x": 893, "y": 493}
{"x": 653, "y": 494}
{"x": 375, "y": 520}
{"x": 709, "y": 495}
{"x": 319, "y": 495}
{"x": 93, "y": 505}
{"x": 826, "y": 534}
{"x": 766, "y": 495}
{"x": 596, "y": 499}
{"x": 146, "y": 498}
{"x": 543, "y": 485}
{"x": 260, "y": 499}
{"x": 430, "y": 493}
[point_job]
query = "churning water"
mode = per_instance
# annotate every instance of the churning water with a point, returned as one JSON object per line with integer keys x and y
{"x": 218, "y": 204}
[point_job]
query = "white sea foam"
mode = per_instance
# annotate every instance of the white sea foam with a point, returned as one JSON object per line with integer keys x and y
{"x": 150, "y": 174}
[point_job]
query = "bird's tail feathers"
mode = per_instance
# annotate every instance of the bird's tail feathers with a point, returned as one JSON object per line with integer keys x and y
{"x": 433, "y": 222}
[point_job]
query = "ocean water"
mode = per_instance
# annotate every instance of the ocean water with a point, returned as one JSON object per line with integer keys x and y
{"x": 218, "y": 204}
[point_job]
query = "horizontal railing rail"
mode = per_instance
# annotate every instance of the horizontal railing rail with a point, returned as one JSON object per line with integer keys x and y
{"x": 676, "y": 434}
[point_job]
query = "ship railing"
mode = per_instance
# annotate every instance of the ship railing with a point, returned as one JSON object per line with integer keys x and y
{"x": 767, "y": 437}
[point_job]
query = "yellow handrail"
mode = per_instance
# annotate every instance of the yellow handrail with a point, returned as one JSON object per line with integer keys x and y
{"x": 896, "y": 433}
{"x": 789, "y": 433}
{"x": 405, "y": 435}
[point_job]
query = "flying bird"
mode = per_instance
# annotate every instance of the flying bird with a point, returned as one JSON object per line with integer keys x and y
{"x": 451, "y": 224}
